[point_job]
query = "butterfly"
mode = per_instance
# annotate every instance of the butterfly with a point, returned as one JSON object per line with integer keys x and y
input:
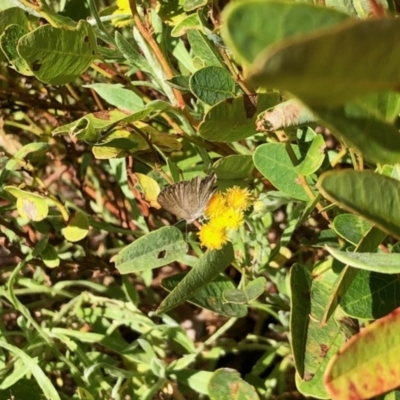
{"x": 188, "y": 199}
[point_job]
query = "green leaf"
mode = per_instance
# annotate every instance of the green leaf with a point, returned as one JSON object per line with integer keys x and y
{"x": 234, "y": 167}
{"x": 234, "y": 119}
{"x": 226, "y": 383}
{"x": 44, "y": 382}
{"x": 359, "y": 126}
{"x": 192, "y": 21}
{"x": 78, "y": 227}
{"x": 354, "y": 191}
{"x": 371, "y": 295}
{"x": 23, "y": 388}
{"x": 251, "y": 26}
{"x": 13, "y": 15}
{"x": 84, "y": 394}
{"x": 273, "y": 161}
{"x": 386, "y": 263}
{"x": 196, "y": 380}
{"x": 252, "y": 290}
{"x": 345, "y": 79}
{"x": 350, "y": 227}
{"x": 29, "y": 205}
{"x": 212, "y": 84}
{"x": 314, "y": 158}
{"x": 58, "y": 55}
{"x": 210, "y": 296}
{"x": 180, "y": 82}
{"x": 207, "y": 268}
{"x": 131, "y": 54}
{"x": 350, "y": 276}
{"x": 90, "y": 126}
{"x": 312, "y": 344}
{"x": 354, "y": 368}
{"x": 50, "y": 257}
{"x": 20, "y": 156}
{"x": 151, "y": 251}
{"x": 204, "y": 52}
{"x": 8, "y": 41}
{"x": 190, "y": 5}
{"x": 118, "y": 96}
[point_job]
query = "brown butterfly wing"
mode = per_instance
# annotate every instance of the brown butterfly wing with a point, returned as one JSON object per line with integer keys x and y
{"x": 188, "y": 199}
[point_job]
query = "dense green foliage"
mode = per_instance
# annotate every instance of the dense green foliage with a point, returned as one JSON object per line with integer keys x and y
{"x": 289, "y": 283}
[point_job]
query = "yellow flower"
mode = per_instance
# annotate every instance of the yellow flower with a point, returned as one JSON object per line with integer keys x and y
{"x": 238, "y": 198}
{"x": 229, "y": 219}
{"x": 212, "y": 237}
{"x": 215, "y": 206}
{"x": 123, "y": 8}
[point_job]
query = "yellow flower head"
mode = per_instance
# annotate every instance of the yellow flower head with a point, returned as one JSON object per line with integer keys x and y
{"x": 237, "y": 198}
{"x": 229, "y": 219}
{"x": 215, "y": 206}
{"x": 212, "y": 237}
{"x": 123, "y": 8}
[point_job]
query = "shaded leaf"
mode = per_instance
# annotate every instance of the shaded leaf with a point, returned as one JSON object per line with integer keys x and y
{"x": 353, "y": 191}
{"x": 252, "y": 26}
{"x": 234, "y": 119}
{"x": 251, "y": 291}
{"x": 343, "y": 80}
{"x": 234, "y": 167}
{"x": 210, "y": 296}
{"x": 350, "y": 227}
{"x": 207, "y": 268}
{"x": 8, "y": 41}
{"x": 360, "y": 127}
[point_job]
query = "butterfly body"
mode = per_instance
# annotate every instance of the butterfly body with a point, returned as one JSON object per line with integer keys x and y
{"x": 188, "y": 199}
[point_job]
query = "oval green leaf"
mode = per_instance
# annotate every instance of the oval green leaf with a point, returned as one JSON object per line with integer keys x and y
{"x": 273, "y": 161}
{"x": 350, "y": 227}
{"x": 78, "y": 227}
{"x": 314, "y": 158}
{"x": 29, "y": 205}
{"x": 58, "y": 55}
{"x": 212, "y": 85}
{"x": 151, "y": 251}
{"x": 227, "y": 384}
